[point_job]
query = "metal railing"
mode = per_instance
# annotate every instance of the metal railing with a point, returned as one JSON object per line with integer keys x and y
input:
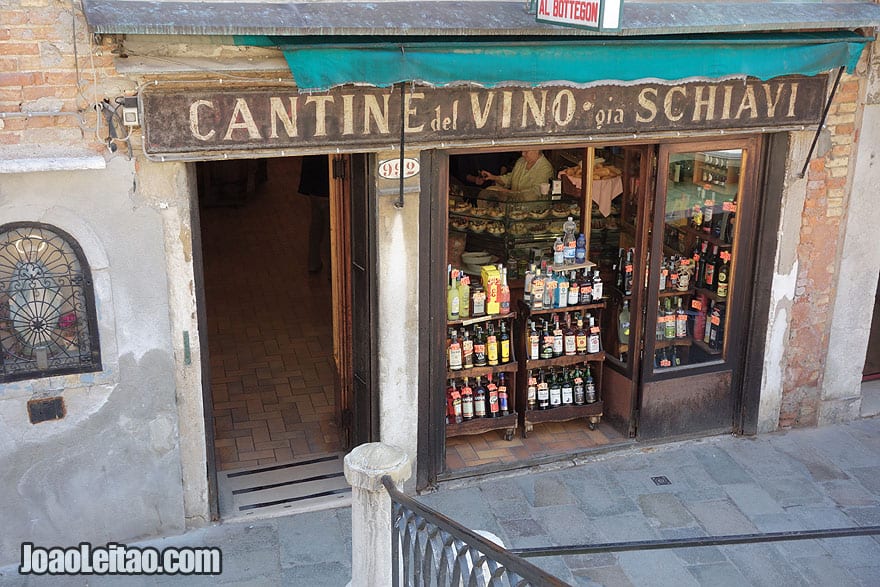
{"x": 696, "y": 541}
{"x": 429, "y": 549}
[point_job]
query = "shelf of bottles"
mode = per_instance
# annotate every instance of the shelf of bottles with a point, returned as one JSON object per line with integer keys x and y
{"x": 481, "y": 368}
{"x": 695, "y": 282}
{"x": 561, "y": 344}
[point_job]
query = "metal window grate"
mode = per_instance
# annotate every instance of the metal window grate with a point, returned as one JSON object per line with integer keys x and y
{"x": 47, "y": 308}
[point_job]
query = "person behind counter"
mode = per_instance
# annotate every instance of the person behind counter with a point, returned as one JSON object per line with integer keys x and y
{"x": 524, "y": 182}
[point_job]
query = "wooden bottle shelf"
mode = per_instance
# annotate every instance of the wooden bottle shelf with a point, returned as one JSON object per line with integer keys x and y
{"x": 510, "y": 367}
{"x": 579, "y": 308}
{"x": 481, "y": 425}
{"x": 564, "y": 413}
{"x": 705, "y": 348}
{"x": 479, "y": 319}
{"x": 564, "y": 361}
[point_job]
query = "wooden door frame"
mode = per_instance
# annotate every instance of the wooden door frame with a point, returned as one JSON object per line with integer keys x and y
{"x": 340, "y": 282}
{"x": 432, "y": 275}
{"x": 204, "y": 351}
{"x": 743, "y": 275}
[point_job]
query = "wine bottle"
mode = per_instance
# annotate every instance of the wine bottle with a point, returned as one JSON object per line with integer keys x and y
{"x": 543, "y": 392}
{"x": 681, "y": 321}
{"x": 479, "y": 400}
{"x": 567, "y": 388}
{"x": 455, "y": 358}
{"x": 589, "y": 387}
{"x": 504, "y": 344}
{"x": 492, "y": 406}
{"x": 491, "y": 346}
{"x": 467, "y": 401}
{"x": 467, "y": 349}
{"x": 503, "y": 395}
{"x": 555, "y": 390}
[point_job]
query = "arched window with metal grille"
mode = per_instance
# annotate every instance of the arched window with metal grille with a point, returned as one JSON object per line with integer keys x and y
{"x": 48, "y": 324}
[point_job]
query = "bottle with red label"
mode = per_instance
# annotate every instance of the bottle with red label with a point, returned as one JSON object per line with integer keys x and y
{"x": 467, "y": 401}
{"x": 503, "y": 395}
{"x": 492, "y": 405}
{"x": 453, "y": 404}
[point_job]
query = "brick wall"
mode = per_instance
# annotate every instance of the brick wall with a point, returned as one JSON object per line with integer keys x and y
{"x": 38, "y": 73}
{"x": 828, "y": 184}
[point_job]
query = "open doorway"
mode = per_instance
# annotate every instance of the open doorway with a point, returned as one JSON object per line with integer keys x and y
{"x": 270, "y": 329}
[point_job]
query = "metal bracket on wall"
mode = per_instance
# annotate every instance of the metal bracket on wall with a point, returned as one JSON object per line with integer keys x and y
{"x": 822, "y": 121}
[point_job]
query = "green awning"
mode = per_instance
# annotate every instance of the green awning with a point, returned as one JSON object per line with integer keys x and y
{"x": 492, "y": 62}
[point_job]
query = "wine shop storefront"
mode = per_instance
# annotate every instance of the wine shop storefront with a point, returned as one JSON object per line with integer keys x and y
{"x": 680, "y": 160}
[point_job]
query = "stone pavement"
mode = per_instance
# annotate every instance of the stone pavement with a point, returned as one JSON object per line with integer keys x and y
{"x": 800, "y": 479}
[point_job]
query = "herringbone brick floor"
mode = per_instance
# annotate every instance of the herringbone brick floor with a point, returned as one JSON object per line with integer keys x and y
{"x": 551, "y": 438}
{"x": 269, "y": 328}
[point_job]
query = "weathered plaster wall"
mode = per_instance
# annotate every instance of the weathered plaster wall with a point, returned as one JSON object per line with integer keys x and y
{"x": 397, "y": 280}
{"x": 111, "y": 469}
{"x": 784, "y": 284}
{"x": 171, "y": 188}
{"x": 859, "y": 265}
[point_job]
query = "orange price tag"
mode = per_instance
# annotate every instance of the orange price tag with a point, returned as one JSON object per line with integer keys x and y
{"x": 729, "y": 207}
{"x": 595, "y": 330}
{"x": 716, "y": 320}
{"x": 696, "y": 305}
{"x": 725, "y": 255}
{"x": 666, "y": 363}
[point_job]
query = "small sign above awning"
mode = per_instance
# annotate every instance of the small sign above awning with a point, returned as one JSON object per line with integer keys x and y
{"x": 492, "y": 63}
{"x": 601, "y": 15}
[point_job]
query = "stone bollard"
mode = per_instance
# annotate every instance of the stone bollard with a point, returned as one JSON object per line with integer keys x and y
{"x": 371, "y": 510}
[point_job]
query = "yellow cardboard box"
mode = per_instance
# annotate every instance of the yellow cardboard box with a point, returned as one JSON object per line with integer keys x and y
{"x": 491, "y": 278}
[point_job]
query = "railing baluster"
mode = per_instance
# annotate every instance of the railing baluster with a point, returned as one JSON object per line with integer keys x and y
{"x": 435, "y": 550}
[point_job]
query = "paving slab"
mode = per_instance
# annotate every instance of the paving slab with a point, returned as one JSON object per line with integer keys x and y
{"x": 665, "y": 510}
{"x": 824, "y": 571}
{"x": 721, "y": 517}
{"x": 752, "y": 500}
{"x": 849, "y": 493}
{"x": 721, "y": 574}
{"x": 764, "y": 565}
{"x": 610, "y": 575}
{"x": 656, "y": 568}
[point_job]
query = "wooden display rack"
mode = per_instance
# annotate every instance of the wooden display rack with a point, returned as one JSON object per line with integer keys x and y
{"x": 509, "y": 422}
{"x": 592, "y": 412}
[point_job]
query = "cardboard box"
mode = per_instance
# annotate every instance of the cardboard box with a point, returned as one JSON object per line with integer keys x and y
{"x": 491, "y": 278}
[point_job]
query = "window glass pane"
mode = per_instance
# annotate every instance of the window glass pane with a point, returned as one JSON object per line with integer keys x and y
{"x": 695, "y": 279}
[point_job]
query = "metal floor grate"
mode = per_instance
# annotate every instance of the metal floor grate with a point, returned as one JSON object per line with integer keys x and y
{"x": 312, "y": 483}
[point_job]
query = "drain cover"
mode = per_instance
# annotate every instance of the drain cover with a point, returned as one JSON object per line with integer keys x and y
{"x": 661, "y": 480}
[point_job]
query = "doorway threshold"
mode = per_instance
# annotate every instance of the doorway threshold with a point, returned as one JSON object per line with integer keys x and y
{"x": 311, "y": 483}
{"x": 545, "y": 462}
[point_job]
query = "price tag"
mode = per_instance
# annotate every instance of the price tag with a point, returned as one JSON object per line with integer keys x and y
{"x": 729, "y": 207}
{"x": 725, "y": 255}
{"x": 696, "y": 305}
{"x": 716, "y": 320}
{"x": 666, "y": 363}
{"x": 595, "y": 330}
